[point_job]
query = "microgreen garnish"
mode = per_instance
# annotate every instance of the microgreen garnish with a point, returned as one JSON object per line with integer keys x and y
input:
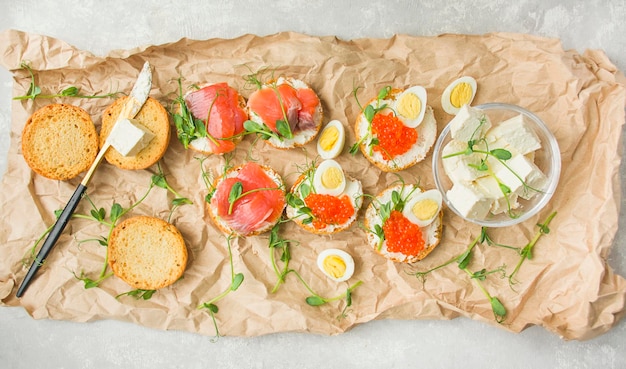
{"x": 526, "y": 251}
{"x": 277, "y": 243}
{"x": 236, "y": 193}
{"x": 369, "y": 112}
{"x": 188, "y": 128}
{"x": 138, "y": 294}
{"x": 236, "y": 279}
{"x": 178, "y": 200}
{"x": 465, "y": 258}
{"x": 35, "y": 92}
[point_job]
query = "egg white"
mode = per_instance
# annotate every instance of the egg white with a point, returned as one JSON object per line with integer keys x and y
{"x": 421, "y": 94}
{"x": 319, "y": 172}
{"x": 336, "y": 149}
{"x": 446, "y": 104}
{"x": 347, "y": 259}
{"x": 433, "y": 194}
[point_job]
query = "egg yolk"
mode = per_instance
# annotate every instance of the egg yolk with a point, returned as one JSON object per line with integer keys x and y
{"x": 425, "y": 209}
{"x": 329, "y": 138}
{"x": 409, "y": 106}
{"x": 334, "y": 266}
{"x": 461, "y": 94}
{"x": 332, "y": 178}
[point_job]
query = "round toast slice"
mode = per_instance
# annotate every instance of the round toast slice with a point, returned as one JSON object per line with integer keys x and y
{"x": 154, "y": 117}
{"x": 300, "y": 138}
{"x": 431, "y": 233}
{"x": 426, "y": 136}
{"x": 147, "y": 253}
{"x": 59, "y": 141}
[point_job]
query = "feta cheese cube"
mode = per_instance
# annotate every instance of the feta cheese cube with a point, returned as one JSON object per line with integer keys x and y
{"x": 469, "y": 201}
{"x": 129, "y": 137}
{"x": 519, "y": 167}
{"x": 501, "y": 202}
{"x": 461, "y": 167}
{"x": 514, "y": 135}
{"x": 469, "y": 124}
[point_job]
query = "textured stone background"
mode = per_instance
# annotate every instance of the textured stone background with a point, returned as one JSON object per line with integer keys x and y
{"x": 102, "y": 26}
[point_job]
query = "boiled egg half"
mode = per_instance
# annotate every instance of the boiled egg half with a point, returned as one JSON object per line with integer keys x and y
{"x": 336, "y": 264}
{"x": 458, "y": 93}
{"x": 331, "y": 140}
{"x": 410, "y": 106}
{"x": 329, "y": 178}
{"x": 423, "y": 207}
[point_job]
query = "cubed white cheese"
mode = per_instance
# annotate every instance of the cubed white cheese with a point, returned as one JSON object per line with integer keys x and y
{"x": 129, "y": 137}
{"x": 469, "y": 201}
{"x": 521, "y": 169}
{"x": 514, "y": 135}
{"x": 461, "y": 167}
{"x": 501, "y": 202}
{"x": 469, "y": 124}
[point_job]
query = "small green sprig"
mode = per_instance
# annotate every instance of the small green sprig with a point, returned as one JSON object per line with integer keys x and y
{"x": 463, "y": 260}
{"x": 35, "y": 91}
{"x": 138, "y": 294}
{"x": 236, "y": 279}
{"x": 370, "y": 111}
{"x": 236, "y": 193}
{"x": 527, "y": 251}
{"x": 314, "y": 299}
{"x": 159, "y": 180}
{"x": 188, "y": 128}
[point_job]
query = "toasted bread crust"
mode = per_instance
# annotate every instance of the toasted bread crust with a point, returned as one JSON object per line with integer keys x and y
{"x": 147, "y": 253}
{"x": 59, "y": 141}
{"x": 432, "y": 233}
{"x": 154, "y": 117}
{"x": 223, "y": 225}
{"x": 426, "y": 136}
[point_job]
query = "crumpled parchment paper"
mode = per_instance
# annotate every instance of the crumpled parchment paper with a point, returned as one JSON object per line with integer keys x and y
{"x": 567, "y": 287}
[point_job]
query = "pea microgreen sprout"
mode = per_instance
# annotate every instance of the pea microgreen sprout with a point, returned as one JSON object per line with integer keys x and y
{"x": 34, "y": 91}
{"x": 463, "y": 260}
{"x": 188, "y": 128}
{"x": 160, "y": 181}
{"x": 138, "y": 294}
{"x": 526, "y": 251}
{"x": 276, "y": 242}
{"x": 236, "y": 279}
{"x": 369, "y": 112}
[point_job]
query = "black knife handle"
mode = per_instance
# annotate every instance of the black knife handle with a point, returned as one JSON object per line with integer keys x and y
{"x": 52, "y": 238}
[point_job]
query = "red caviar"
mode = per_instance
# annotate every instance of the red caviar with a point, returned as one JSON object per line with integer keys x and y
{"x": 394, "y": 138}
{"x": 328, "y": 209}
{"x": 402, "y": 236}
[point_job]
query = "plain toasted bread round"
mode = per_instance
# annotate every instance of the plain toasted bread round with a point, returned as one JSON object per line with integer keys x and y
{"x": 147, "y": 253}
{"x": 426, "y": 136}
{"x": 154, "y": 117}
{"x": 223, "y": 224}
{"x": 301, "y": 138}
{"x": 431, "y": 233}
{"x": 292, "y": 212}
{"x": 59, "y": 141}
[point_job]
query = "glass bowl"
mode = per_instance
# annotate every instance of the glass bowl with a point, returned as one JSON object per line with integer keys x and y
{"x": 547, "y": 159}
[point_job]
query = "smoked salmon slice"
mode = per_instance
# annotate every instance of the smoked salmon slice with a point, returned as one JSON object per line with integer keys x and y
{"x": 220, "y": 107}
{"x": 298, "y": 104}
{"x": 254, "y": 210}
